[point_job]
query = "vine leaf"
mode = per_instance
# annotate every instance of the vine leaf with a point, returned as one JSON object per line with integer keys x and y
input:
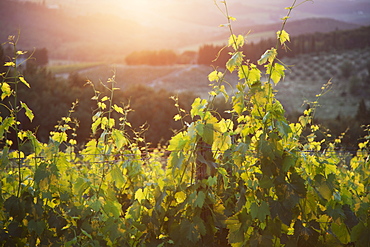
{"x": 283, "y": 36}
{"x": 200, "y": 199}
{"x": 276, "y": 71}
{"x": 260, "y": 211}
{"x": 21, "y": 78}
{"x": 29, "y": 112}
{"x": 268, "y": 56}
{"x": 6, "y": 90}
{"x": 235, "y": 61}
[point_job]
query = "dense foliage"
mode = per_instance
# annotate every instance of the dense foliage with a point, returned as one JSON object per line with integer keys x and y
{"x": 249, "y": 180}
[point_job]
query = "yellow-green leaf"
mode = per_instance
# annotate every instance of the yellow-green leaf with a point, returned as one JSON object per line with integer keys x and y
{"x": 119, "y": 138}
{"x": 235, "y": 61}
{"x": 268, "y": 56}
{"x": 276, "y": 71}
{"x": 6, "y": 89}
{"x": 117, "y": 108}
{"x": 139, "y": 195}
{"x": 21, "y": 78}
{"x": 215, "y": 76}
{"x": 283, "y": 36}
{"x": 9, "y": 64}
{"x": 236, "y": 42}
{"x": 29, "y": 112}
{"x": 105, "y": 98}
{"x": 177, "y": 117}
{"x": 180, "y": 196}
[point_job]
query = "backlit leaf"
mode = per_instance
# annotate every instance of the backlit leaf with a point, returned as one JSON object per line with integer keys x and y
{"x": 21, "y": 78}
{"x": 177, "y": 117}
{"x": 276, "y": 72}
{"x": 283, "y": 36}
{"x": 268, "y": 56}
{"x": 6, "y": 90}
{"x": 235, "y": 61}
{"x": 28, "y": 112}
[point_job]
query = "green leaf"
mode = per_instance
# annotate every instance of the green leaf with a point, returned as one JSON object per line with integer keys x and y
{"x": 211, "y": 181}
{"x": 86, "y": 234}
{"x": 323, "y": 187}
{"x": 260, "y": 211}
{"x": 6, "y": 124}
{"x": 41, "y": 173}
{"x": 118, "y": 177}
{"x": 112, "y": 208}
{"x": 341, "y": 232}
{"x": 288, "y": 162}
{"x": 254, "y": 74}
{"x": 175, "y": 160}
{"x": 283, "y": 128}
{"x": 189, "y": 230}
{"x": 208, "y": 134}
{"x": 222, "y": 142}
{"x": 36, "y": 226}
{"x": 360, "y": 234}
{"x": 201, "y": 196}
{"x": 119, "y": 138}
{"x": 178, "y": 142}
{"x": 236, "y": 231}
{"x": 199, "y": 224}
{"x": 80, "y": 186}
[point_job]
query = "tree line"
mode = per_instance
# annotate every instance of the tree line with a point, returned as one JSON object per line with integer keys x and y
{"x": 302, "y": 44}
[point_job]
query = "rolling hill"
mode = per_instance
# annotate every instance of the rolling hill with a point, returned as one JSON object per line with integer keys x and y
{"x": 89, "y": 36}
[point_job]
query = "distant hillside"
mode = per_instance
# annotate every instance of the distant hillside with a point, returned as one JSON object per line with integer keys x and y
{"x": 298, "y": 27}
{"x": 110, "y": 37}
{"x": 256, "y": 33}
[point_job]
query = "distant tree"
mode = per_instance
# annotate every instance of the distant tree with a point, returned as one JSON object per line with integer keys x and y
{"x": 362, "y": 115}
{"x": 187, "y": 57}
{"x": 75, "y": 80}
{"x": 2, "y": 59}
{"x": 40, "y": 57}
{"x": 162, "y": 57}
{"x": 213, "y": 55}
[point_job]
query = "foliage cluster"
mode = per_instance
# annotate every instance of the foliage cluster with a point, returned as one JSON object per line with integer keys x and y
{"x": 247, "y": 180}
{"x": 50, "y": 98}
